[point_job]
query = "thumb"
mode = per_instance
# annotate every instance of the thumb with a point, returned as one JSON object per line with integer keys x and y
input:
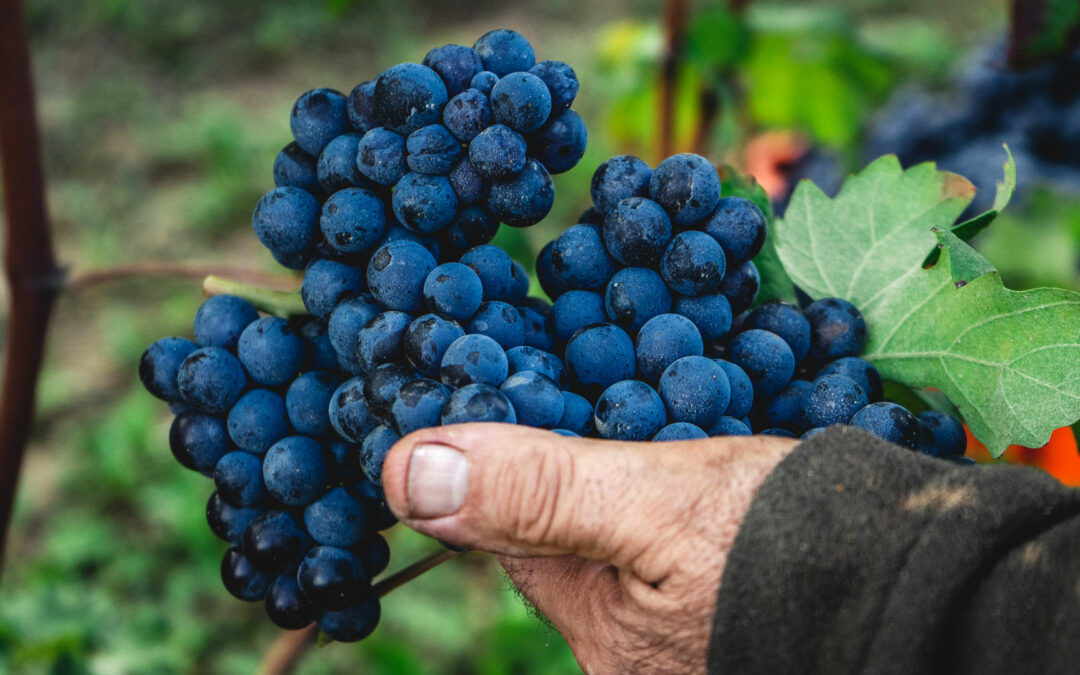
{"x": 526, "y": 492}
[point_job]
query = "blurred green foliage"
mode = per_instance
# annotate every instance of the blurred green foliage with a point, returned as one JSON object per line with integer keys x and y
{"x": 161, "y": 122}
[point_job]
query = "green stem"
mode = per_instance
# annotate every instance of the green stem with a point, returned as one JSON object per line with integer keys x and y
{"x": 278, "y": 303}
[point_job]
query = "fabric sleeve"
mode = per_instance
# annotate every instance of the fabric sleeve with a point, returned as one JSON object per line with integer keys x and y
{"x": 858, "y": 556}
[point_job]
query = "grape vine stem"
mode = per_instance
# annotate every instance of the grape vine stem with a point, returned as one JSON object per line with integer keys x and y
{"x": 29, "y": 261}
{"x": 675, "y": 18}
{"x": 176, "y": 270}
{"x": 289, "y": 647}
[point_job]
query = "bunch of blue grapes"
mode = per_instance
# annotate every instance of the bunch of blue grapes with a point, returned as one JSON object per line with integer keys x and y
{"x": 653, "y": 290}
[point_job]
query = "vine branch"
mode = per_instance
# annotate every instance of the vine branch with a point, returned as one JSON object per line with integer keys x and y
{"x": 675, "y": 19}
{"x": 177, "y": 270}
{"x": 29, "y": 261}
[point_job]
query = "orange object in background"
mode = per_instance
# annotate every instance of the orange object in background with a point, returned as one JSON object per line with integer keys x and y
{"x": 1059, "y": 457}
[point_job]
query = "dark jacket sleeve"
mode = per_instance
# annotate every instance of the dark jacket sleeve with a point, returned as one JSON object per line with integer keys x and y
{"x": 858, "y": 556}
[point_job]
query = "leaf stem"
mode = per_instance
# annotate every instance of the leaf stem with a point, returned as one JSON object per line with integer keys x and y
{"x": 179, "y": 270}
{"x": 279, "y": 303}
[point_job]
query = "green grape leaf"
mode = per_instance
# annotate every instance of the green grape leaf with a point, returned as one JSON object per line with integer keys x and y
{"x": 1006, "y": 359}
{"x": 775, "y": 283}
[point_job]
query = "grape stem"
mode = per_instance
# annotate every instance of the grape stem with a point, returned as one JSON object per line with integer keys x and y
{"x": 675, "y": 14}
{"x": 177, "y": 270}
{"x": 29, "y": 261}
{"x": 289, "y": 647}
{"x": 278, "y": 303}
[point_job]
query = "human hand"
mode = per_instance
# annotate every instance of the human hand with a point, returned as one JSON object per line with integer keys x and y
{"x": 621, "y": 545}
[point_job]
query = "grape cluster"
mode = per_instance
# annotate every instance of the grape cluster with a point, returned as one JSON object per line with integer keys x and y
{"x": 652, "y": 293}
{"x": 292, "y": 418}
{"x": 1035, "y": 110}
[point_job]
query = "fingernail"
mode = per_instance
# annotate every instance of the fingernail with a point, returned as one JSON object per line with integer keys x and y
{"x": 438, "y": 481}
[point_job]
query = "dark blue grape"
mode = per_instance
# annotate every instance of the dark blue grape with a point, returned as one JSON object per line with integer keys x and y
{"x": 307, "y": 402}
{"x": 373, "y": 451}
{"x": 472, "y": 226}
{"x": 766, "y": 359}
{"x": 549, "y": 279}
{"x": 337, "y": 519}
{"x": 374, "y": 552}
{"x": 864, "y": 374}
{"x": 740, "y": 286}
{"x": 619, "y": 178}
{"x": 286, "y": 221}
{"x": 418, "y": 405}
{"x": 238, "y": 477}
{"x": 337, "y": 164}
{"x": 349, "y": 412}
{"x": 228, "y": 522}
{"x": 742, "y": 390}
{"x": 395, "y": 231}
{"x": 453, "y": 290}
{"x": 286, "y": 606}
{"x": 574, "y": 310}
{"x": 599, "y": 356}
{"x": 258, "y": 420}
{"x": 525, "y": 358}
{"x": 591, "y": 216}
{"x": 740, "y": 228}
{"x": 949, "y": 439}
{"x": 494, "y": 266}
{"x": 433, "y": 150}
{"x": 220, "y": 320}
{"x": 381, "y": 156}
{"x": 782, "y": 433}
{"x": 467, "y": 114}
{"x": 832, "y": 399}
{"x": 241, "y": 578}
{"x": 505, "y": 51}
{"x": 539, "y": 305}
{"x": 810, "y": 433}
{"x": 474, "y": 359}
{"x": 348, "y": 318}
{"x": 560, "y": 144}
{"x": 637, "y": 231}
{"x": 360, "y": 107}
{"x": 353, "y": 220}
{"x": 210, "y": 380}
{"x": 783, "y": 319}
{"x": 478, "y": 403}
{"x": 634, "y": 295}
{"x": 536, "y": 399}
{"x": 687, "y": 186}
{"x": 523, "y": 199}
{"x": 342, "y": 465}
{"x": 484, "y": 81}
{"x": 889, "y": 421}
{"x": 561, "y": 81}
{"x": 521, "y": 101}
{"x": 396, "y": 275}
{"x": 730, "y": 426}
{"x": 275, "y": 542}
{"x": 455, "y": 64}
{"x": 409, "y": 96}
{"x": 353, "y": 623}
{"x": 695, "y": 389}
{"x": 382, "y": 383}
{"x": 160, "y": 364}
{"x": 318, "y": 117}
{"x": 295, "y": 168}
{"x": 664, "y": 339}
{"x": 327, "y": 283}
{"x": 577, "y": 414}
{"x": 501, "y": 322}
{"x": 424, "y": 203}
{"x": 470, "y": 188}
{"x": 426, "y": 340}
{"x": 679, "y": 431}
{"x": 331, "y": 578}
{"x": 693, "y": 264}
{"x": 271, "y": 351}
{"x": 498, "y": 152}
{"x": 837, "y": 329}
{"x": 783, "y": 410}
{"x": 711, "y": 313}
{"x": 294, "y": 470}
{"x": 630, "y": 410}
{"x": 198, "y": 441}
{"x": 539, "y": 329}
{"x": 318, "y": 350}
{"x": 580, "y": 260}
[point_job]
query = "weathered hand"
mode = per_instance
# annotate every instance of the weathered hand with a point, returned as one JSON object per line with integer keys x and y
{"x": 620, "y": 545}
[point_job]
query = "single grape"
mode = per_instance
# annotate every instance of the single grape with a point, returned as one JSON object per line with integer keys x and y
{"x": 238, "y": 478}
{"x": 484, "y": 81}
{"x": 560, "y": 144}
{"x": 693, "y": 264}
{"x": 160, "y": 364}
{"x": 783, "y": 410}
{"x": 353, "y": 623}
{"x": 539, "y": 329}
{"x": 295, "y": 168}
{"x": 318, "y": 117}
{"x": 580, "y": 260}
{"x": 455, "y": 64}
{"x": 574, "y": 310}
{"x": 337, "y": 168}
{"x": 599, "y": 356}
{"x": 373, "y": 451}
{"x": 619, "y": 178}
{"x": 739, "y": 226}
{"x": 327, "y": 283}
{"x": 740, "y": 286}
{"x": 634, "y": 295}
{"x": 307, "y": 402}
{"x": 550, "y": 280}
{"x": 210, "y": 380}
{"x": 396, "y": 275}
{"x": 426, "y": 340}
{"x": 432, "y": 150}
{"x": 241, "y": 578}
{"x": 319, "y": 352}
{"x": 286, "y": 606}
{"x": 353, "y": 220}
{"x": 591, "y": 216}
{"x": 294, "y": 470}
{"x": 331, "y": 578}
{"x": 561, "y": 81}
{"x": 382, "y": 383}
{"x": 470, "y": 188}
{"x": 467, "y": 114}
{"x": 395, "y": 231}
{"x": 664, "y": 339}
{"x": 523, "y": 199}
{"x": 536, "y": 399}
{"x": 711, "y": 313}
{"x": 864, "y": 374}
{"x": 783, "y": 319}
{"x": 347, "y": 320}
{"x": 577, "y": 414}
{"x": 494, "y": 266}
{"x": 630, "y": 410}
{"x": 382, "y": 339}
{"x": 478, "y": 403}
{"x": 337, "y": 519}
{"x": 837, "y": 329}
{"x": 360, "y": 107}
{"x": 504, "y": 51}
{"x": 228, "y": 522}
{"x": 275, "y": 542}
{"x": 525, "y": 358}
{"x": 409, "y": 96}
{"x": 424, "y": 203}
{"x": 679, "y": 431}
{"x": 889, "y": 421}
{"x": 374, "y": 553}
{"x": 498, "y": 152}
{"x": 695, "y": 389}
{"x": 501, "y": 322}
{"x": 947, "y": 433}
{"x": 730, "y": 426}
{"x": 521, "y": 101}
{"x": 474, "y": 359}
{"x": 381, "y": 156}
{"x": 349, "y": 412}
{"x": 637, "y": 231}
{"x": 742, "y": 390}
{"x": 220, "y": 320}
{"x": 687, "y": 186}
{"x": 766, "y": 359}
{"x": 271, "y": 351}
{"x": 258, "y": 420}
{"x": 418, "y": 405}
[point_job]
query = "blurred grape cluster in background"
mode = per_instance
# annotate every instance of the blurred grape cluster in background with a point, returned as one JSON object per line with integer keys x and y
{"x": 160, "y": 122}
